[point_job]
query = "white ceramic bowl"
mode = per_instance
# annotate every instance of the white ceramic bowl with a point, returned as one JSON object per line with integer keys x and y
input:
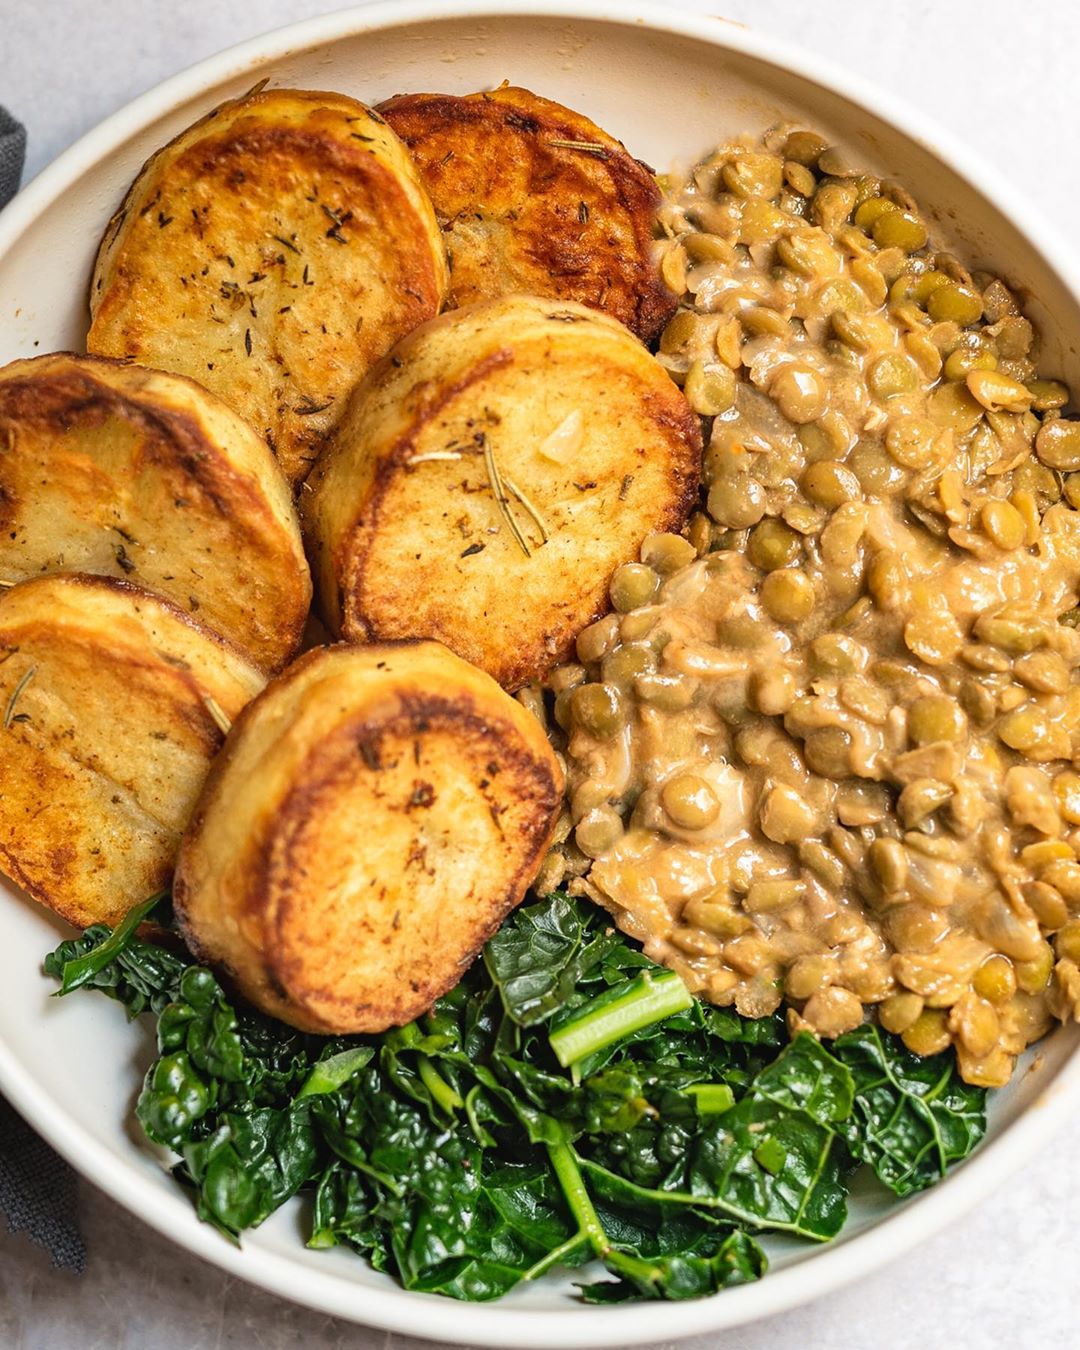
{"x": 671, "y": 86}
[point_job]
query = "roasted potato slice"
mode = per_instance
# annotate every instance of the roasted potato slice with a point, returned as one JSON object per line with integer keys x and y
{"x": 114, "y": 702}
{"x": 489, "y": 477}
{"x": 272, "y": 251}
{"x": 120, "y": 471}
{"x": 535, "y": 198}
{"x": 373, "y": 817}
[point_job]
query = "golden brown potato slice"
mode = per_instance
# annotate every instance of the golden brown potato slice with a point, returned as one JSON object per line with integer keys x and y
{"x": 120, "y": 471}
{"x": 113, "y": 703}
{"x": 535, "y": 198}
{"x": 272, "y": 251}
{"x": 373, "y": 817}
{"x": 489, "y": 477}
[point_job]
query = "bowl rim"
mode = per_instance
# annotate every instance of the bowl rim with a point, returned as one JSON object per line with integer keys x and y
{"x": 495, "y": 1324}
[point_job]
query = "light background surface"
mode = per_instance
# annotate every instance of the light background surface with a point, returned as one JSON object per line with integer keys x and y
{"x": 1000, "y": 73}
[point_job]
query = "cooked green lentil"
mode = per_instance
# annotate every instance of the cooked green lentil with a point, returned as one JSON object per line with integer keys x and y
{"x": 823, "y": 750}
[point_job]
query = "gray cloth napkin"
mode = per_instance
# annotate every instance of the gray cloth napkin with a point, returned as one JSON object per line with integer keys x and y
{"x": 37, "y": 1192}
{"x": 37, "y": 1188}
{"x": 12, "y": 154}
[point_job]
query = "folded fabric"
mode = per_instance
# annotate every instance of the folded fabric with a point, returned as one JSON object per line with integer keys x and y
{"x": 38, "y": 1192}
{"x": 12, "y": 155}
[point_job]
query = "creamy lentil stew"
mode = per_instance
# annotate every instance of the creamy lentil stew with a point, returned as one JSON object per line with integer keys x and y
{"x": 822, "y": 749}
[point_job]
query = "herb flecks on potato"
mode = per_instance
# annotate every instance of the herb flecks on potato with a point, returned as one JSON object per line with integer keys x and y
{"x": 114, "y": 702}
{"x": 273, "y": 251}
{"x": 489, "y": 477}
{"x": 536, "y": 198}
{"x": 119, "y": 471}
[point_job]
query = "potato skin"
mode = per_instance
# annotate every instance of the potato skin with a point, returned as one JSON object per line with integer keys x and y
{"x": 407, "y": 540}
{"x": 106, "y": 738}
{"x": 126, "y": 472}
{"x": 272, "y": 251}
{"x": 522, "y": 213}
{"x": 374, "y": 815}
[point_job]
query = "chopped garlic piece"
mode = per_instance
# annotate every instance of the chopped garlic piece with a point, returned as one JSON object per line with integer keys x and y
{"x": 565, "y": 441}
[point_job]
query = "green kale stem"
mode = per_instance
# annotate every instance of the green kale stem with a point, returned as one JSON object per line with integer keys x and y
{"x": 711, "y": 1099}
{"x": 561, "y": 1255}
{"x": 648, "y": 998}
{"x": 565, "y": 1164}
{"x": 329, "y": 1074}
{"x": 82, "y": 969}
{"x": 577, "y": 1196}
{"x": 442, "y": 1094}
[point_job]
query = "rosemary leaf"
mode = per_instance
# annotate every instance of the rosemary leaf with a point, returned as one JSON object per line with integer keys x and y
{"x": 586, "y": 147}
{"x": 537, "y": 519}
{"x": 9, "y": 711}
{"x": 218, "y": 713}
{"x": 431, "y": 456}
{"x": 501, "y": 500}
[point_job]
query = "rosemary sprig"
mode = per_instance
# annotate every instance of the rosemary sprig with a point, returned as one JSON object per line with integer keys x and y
{"x": 431, "y": 456}
{"x": 16, "y": 693}
{"x": 500, "y": 486}
{"x": 586, "y": 147}
{"x": 501, "y": 499}
{"x": 537, "y": 519}
{"x": 218, "y": 713}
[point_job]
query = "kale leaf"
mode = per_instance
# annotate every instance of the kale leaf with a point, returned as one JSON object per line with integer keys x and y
{"x": 141, "y": 975}
{"x": 544, "y": 953}
{"x": 912, "y": 1117}
{"x": 252, "y": 1163}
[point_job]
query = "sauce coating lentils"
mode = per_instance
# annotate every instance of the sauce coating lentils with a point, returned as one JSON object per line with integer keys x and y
{"x": 822, "y": 749}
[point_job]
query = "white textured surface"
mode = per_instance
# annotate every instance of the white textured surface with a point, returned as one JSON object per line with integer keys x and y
{"x": 1002, "y": 75}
